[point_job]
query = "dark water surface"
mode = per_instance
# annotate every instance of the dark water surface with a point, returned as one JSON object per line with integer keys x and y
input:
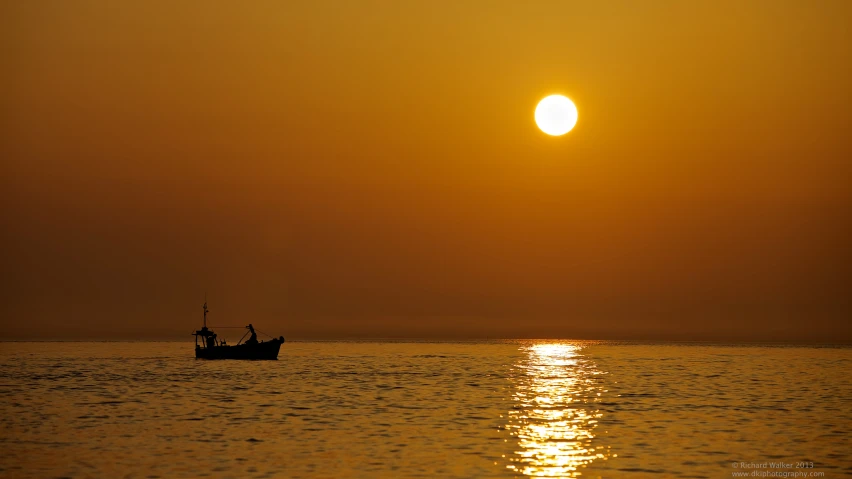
{"x": 418, "y": 409}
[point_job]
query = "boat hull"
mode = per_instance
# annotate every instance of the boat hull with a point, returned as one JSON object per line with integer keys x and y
{"x": 261, "y": 351}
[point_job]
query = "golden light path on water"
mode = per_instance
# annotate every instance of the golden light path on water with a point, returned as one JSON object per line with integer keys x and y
{"x": 555, "y": 411}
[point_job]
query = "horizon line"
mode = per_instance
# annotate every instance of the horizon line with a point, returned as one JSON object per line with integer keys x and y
{"x": 401, "y": 339}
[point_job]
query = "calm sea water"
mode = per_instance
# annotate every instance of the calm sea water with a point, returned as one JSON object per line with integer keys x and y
{"x": 373, "y": 409}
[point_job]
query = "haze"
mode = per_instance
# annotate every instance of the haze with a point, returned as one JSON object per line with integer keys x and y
{"x": 372, "y": 169}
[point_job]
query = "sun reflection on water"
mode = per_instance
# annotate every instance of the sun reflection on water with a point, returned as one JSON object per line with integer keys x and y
{"x": 555, "y": 411}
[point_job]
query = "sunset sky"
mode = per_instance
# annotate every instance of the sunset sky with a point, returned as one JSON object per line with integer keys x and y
{"x": 347, "y": 168}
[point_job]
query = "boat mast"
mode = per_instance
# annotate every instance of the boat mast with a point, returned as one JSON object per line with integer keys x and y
{"x": 205, "y": 310}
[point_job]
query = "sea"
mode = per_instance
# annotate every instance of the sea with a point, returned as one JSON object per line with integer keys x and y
{"x": 400, "y": 409}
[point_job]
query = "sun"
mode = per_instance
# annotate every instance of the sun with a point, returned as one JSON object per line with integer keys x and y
{"x": 556, "y": 115}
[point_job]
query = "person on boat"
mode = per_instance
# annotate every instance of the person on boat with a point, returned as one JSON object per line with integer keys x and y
{"x": 253, "y": 338}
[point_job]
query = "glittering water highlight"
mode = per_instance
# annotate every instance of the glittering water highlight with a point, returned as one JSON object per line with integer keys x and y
{"x": 556, "y": 412}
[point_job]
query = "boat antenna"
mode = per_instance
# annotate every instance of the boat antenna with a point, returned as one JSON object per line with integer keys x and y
{"x": 205, "y": 310}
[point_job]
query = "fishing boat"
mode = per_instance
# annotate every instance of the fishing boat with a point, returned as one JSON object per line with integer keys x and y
{"x": 210, "y": 347}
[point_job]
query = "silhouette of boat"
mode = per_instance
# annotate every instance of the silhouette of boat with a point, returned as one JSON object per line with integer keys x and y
{"x": 210, "y": 347}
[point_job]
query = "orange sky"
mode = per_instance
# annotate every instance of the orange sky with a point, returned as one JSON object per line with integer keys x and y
{"x": 372, "y": 168}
